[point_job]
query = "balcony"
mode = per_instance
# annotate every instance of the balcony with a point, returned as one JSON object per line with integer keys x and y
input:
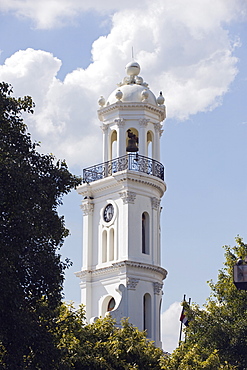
{"x": 131, "y": 161}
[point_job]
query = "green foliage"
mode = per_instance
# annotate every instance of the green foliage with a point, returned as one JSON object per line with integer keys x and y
{"x": 216, "y": 337}
{"x": 102, "y": 345}
{"x": 31, "y": 231}
{"x": 190, "y": 356}
{"x": 37, "y": 331}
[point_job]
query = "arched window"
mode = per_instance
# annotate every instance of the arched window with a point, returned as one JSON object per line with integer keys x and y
{"x": 108, "y": 304}
{"x": 108, "y": 245}
{"x": 111, "y": 304}
{"x": 104, "y": 246}
{"x": 111, "y": 245}
{"x": 145, "y": 233}
{"x": 150, "y": 144}
{"x": 147, "y": 316}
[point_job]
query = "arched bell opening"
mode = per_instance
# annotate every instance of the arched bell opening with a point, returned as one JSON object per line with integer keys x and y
{"x": 132, "y": 140}
{"x": 113, "y": 145}
{"x": 150, "y": 140}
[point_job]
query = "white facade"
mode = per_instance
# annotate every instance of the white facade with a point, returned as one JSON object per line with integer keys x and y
{"x": 121, "y": 270}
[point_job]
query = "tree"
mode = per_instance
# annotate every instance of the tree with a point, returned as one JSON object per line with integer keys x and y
{"x": 218, "y": 332}
{"x": 102, "y": 345}
{"x": 31, "y": 232}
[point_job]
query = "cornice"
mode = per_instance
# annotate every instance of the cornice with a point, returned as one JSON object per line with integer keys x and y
{"x": 118, "y": 178}
{"x": 148, "y": 180}
{"x": 159, "y": 110}
{"x": 97, "y": 186}
{"x": 123, "y": 264}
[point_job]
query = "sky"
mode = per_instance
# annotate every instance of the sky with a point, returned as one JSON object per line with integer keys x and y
{"x": 67, "y": 53}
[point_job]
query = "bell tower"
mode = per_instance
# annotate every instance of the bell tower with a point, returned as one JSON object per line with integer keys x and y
{"x": 121, "y": 273}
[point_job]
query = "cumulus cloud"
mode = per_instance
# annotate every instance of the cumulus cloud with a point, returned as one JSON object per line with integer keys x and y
{"x": 48, "y": 14}
{"x": 65, "y": 113}
{"x": 171, "y": 327}
{"x": 183, "y": 49}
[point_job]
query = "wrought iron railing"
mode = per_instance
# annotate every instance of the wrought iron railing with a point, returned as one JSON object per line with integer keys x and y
{"x": 131, "y": 161}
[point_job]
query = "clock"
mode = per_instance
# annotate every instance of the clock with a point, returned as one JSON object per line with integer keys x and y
{"x": 108, "y": 212}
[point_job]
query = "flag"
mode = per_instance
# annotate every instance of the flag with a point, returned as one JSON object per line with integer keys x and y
{"x": 183, "y": 318}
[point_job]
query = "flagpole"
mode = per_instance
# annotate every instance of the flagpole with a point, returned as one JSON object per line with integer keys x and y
{"x": 185, "y": 332}
{"x": 181, "y": 326}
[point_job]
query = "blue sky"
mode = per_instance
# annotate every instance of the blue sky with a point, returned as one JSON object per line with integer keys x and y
{"x": 65, "y": 54}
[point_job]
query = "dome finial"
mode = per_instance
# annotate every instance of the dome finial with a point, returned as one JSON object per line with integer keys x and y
{"x": 133, "y": 69}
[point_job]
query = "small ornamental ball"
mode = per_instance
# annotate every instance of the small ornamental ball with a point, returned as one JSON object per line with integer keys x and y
{"x": 119, "y": 95}
{"x": 101, "y": 101}
{"x": 133, "y": 69}
{"x": 144, "y": 94}
{"x": 139, "y": 80}
{"x": 126, "y": 80}
{"x": 160, "y": 100}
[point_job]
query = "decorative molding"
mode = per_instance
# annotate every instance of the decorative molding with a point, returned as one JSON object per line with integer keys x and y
{"x": 120, "y": 122}
{"x": 132, "y": 283}
{"x": 104, "y": 127}
{"x": 143, "y": 122}
{"x": 159, "y": 110}
{"x": 155, "y": 202}
{"x": 157, "y": 287}
{"x": 158, "y": 127}
{"x": 115, "y": 266}
{"x": 87, "y": 207}
{"x": 113, "y": 182}
{"x": 128, "y": 196}
{"x": 142, "y": 180}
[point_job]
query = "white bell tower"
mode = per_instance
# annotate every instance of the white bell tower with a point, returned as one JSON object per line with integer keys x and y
{"x": 121, "y": 271}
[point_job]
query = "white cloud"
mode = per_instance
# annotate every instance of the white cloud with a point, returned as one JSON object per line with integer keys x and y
{"x": 171, "y": 327}
{"x": 56, "y": 13}
{"x": 32, "y": 71}
{"x": 65, "y": 112}
{"x": 182, "y": 47}
{"x": 48, "y": 14}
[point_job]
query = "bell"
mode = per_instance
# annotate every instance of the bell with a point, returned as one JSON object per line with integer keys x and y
{"x": 132, "y": 142}
{"x": 132, "y": 145}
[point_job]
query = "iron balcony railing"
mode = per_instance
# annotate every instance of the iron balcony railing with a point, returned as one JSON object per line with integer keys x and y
{"x": 131, "y": 161}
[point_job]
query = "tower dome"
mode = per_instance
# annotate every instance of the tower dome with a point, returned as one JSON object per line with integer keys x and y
{"x": 132, "y": 87}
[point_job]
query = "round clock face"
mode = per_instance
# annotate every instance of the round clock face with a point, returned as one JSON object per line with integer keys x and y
{"x": 108, "y": 212}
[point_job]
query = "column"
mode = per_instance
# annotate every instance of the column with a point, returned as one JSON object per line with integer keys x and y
{"x": 121, "y": 139}
{"x": 157, "y": 286}
{"x": 87, "y": 208}
{"x": 104, "y": 128}
{"x": 155, "y": 230}
{"x": 143, "y": 122}
{"x": 157, "y": 135}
